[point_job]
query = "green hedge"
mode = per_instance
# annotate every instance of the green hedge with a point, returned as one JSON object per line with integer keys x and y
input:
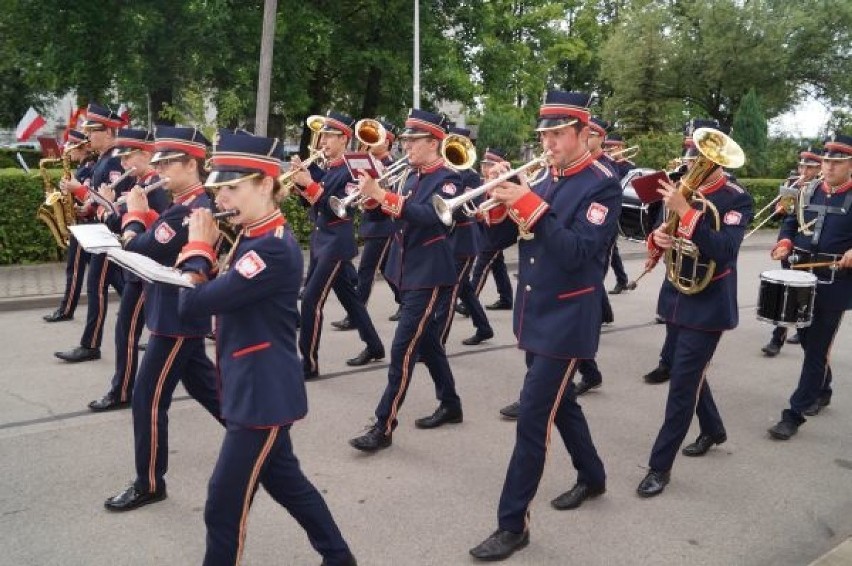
{"x": 8, "y": 160}
{"x": 25, "y": 239}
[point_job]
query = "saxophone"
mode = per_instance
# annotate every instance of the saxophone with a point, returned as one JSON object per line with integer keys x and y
{"x": 57, "y": 211}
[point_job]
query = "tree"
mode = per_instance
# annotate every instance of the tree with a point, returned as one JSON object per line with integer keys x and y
{"x": 504, "y": 126}
{"x": 750, "y": 131}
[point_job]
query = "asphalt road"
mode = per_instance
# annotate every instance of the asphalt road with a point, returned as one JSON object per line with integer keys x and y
{"x": 433, "y": 494}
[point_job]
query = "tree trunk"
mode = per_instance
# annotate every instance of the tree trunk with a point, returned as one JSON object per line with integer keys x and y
{"x": 372, "y": 92}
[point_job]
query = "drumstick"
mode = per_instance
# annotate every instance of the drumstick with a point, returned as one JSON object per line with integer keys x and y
{"x": 632, "y": 284}
{"x": 818, "y": 264}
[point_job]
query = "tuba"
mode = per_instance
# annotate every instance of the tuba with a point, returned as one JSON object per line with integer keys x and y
{"x": 716, "y": 149}
{"x": 57, "y": 211}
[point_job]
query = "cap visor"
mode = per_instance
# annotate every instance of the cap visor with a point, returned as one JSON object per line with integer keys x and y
{"x": 412, "y": 133}
{"x": 554, "y": 123}
{"x": 224, "y": 178}
{"x": 166, "y": 155}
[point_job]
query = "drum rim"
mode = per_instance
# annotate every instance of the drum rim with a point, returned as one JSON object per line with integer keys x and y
{"x": 810, "y": 282}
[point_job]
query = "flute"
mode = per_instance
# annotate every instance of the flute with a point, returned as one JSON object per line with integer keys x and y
{"x": 147, "y": 190}
{"x": 216, "y": 216}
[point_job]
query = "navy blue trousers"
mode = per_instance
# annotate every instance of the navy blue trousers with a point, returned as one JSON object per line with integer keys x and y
{"x": 128, "y": 329}
{"x": 617, "y": 265}
{"x": 689, "y": 393}
{"x": 817, "y": 341}
{"x": 340, "y": 276}
{"x": 167, "y": 360}
{"x": 493, "y": 262}
{"x": 374, "y": 256}
{"x": 76, "y": 261}
{"x": 463, "y": 290}
{"x": 423, "y": 313}
{"x": 667, "y": 352}
{"x": 546, "y": 400}
{"x": 252, "y": 456}
{"x": 102, "y": 274}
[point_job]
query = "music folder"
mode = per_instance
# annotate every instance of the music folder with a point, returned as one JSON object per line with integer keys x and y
{"x": 360, "y": 161}
{"x": 646, "y": 186}
{"x": 95, "y": 238}
{"x": 148, "y": 269}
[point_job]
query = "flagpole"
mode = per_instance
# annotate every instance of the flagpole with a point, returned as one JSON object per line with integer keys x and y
{"x": 416, "y": 103}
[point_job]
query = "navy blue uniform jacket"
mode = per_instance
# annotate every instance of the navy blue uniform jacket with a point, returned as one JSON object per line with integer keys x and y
{"x": 332, "y": 238}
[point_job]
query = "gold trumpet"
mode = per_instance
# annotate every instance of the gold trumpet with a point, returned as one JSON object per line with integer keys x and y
{"x": 458, "y": 151}
{"x": 285, "y": 179}
{"x": 389, "y": 178}
{"x": 314, "y": 122}
{"x": 370, "y": 133}
{"x": 627, "y": 153}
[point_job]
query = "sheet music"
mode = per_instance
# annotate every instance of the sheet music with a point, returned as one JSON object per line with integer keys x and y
{"x": 95, "y": 238}
{"x": 147, "y": 268}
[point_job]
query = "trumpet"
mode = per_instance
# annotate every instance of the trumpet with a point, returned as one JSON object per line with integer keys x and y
{"x": 446, "y": 207}
{"x": 627, "y": 153}
{"x": 370, "y": 133}
{"x": 216, "y": 216}
{"x": 390, "y": 177}
{"x": 314, "y": 122}
{"x": 146, "y": 190}
{"x": 458, "y": 151}
{"x": 286, "y": 178}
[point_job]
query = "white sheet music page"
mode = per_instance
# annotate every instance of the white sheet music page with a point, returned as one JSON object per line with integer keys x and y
{"x": 147, "y": 268}
{"x": 95, "y": 238}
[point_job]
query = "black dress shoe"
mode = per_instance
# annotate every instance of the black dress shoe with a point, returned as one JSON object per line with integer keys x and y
{"x": 375, "y": 439}
{"x": 365, "y": 357}
{"x": 107, "y": 403}
{"x": 344, "y": 324}
{"x": 132, "y": 497}
{"x": 658, "y": 375}
{"x": 703, "y": 443}
{"x": 79, "y": 354}
{"x": 586, "y": 384}
{"x": 511, "y": 411}
{"x": 500, "y": 305}
{"x": 395, "y": 316}
{"x": 310, "y": 374}
{"x": 653, "y": 484}
{"x": 478, "y": 338}
{"x": 618, "y": 289}
{"x": 350, "y": 561}
{"x": 442, "y": 415}
{"x": 576, "y": 495}
{"x": 57, "y": 316}
{"x": 461, "y": 310}
{"x": 500, "y": 545}
{"x": 771, "y": 350}
{"x": 794, "y": 339}
{"x": 784, "y": 429}
{"x": 819, "y": 405}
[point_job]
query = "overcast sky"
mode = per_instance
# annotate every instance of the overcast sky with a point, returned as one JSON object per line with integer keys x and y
{"x": 806, "y": 120}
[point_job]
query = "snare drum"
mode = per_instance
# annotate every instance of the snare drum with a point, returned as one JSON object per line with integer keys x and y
{"x": 786, "y": 297}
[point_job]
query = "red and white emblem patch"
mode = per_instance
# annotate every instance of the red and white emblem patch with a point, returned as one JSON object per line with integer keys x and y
{"x": 114, "y": 175}
{"x": 164, "y": 233}
{"x": 449, "y": 189}
{"x": 596, "y": 214}
{"x": 733, "y": 218}
{"x": 250, "y": 265}
{"x": 351, "y": 188}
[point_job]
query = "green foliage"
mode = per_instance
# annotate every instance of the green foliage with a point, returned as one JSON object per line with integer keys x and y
{"x": 762, "y": 191}
{"x": 750, "y": 132}
{"x": 656, "y": 150}
{"x": 503, "y": 126}
{"x": 9, "y": 159}
{"x": 23, "y": 238}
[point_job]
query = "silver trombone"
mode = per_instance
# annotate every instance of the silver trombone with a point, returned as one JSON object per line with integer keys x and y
{"x": 786, "y": 199}
{"x": 446, "y": 207}
{"x": 389, "y": 177}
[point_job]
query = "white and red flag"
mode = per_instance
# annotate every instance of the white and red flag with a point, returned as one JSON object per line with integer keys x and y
{"x": 29, "y": 124}
{"x": 124, "y": 113}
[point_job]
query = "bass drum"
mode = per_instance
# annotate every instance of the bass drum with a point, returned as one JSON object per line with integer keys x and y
{"x": 637, "y": 219}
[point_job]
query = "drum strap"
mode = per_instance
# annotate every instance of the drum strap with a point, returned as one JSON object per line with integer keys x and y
{"x": 823, "y": 210}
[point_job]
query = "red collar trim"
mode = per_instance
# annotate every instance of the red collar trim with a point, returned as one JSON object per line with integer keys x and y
{"x": 147, "y": 177}
{"x": 841, "y": 189}
{"x": 714, "y": 186}
{"x": 432, "y": 167}
{"x": 188, "y": 194}
{"x": 336, "y": 162}
{"x": 266, "y": 224}
{"x": 573, "y": 168}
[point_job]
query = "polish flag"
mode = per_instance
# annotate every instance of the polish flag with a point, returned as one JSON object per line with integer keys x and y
{"x": 29, "y": 124}
{"x": 124, "y": 113}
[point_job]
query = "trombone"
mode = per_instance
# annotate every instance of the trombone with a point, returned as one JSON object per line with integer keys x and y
{"x": 391, "y": 176}
{"x": 445, "y": 208}
{"x": 786, "y": 199}
{"x": 627, "y": 153}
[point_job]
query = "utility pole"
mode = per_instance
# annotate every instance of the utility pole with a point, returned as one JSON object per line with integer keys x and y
{"x": 416, "y": 103}
{"x": 264, "y": 78}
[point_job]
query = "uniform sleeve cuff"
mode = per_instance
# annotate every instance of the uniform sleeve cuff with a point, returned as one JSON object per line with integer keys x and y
{"x": 392, "y": 204}
{"x": 527, "y": 210}
{"x": 370, "y": 204}
{"x": 145, "y": 218}
{"x": 496, "y": 215}
{"x": 197, "y": 249}
{"x": 80, "y": 193}
{"x": 688, "y": 223}
{"x": 785, "y": 243}
{"x": 653, "y": 250}
{"x": 312, "y": 192}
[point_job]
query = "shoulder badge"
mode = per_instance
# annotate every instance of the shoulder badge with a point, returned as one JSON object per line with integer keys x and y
{"x": 596, "y": 214}
{"x": 732, "y": 218}
{"x": 250, "y": 265}
{"x": 449, "y": 189}
{"x": 164, "y": 233}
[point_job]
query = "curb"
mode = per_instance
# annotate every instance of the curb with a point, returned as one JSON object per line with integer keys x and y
{"x": 840, "y": 555}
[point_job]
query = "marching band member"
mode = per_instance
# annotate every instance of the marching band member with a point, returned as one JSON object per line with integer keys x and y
{"x": 76, "y": 260}
{"x": 422, "y": 268}
{"x": 613, "y": 143}
{"x": 695, "y": 322}
{"x": 566, "y": 224}
{"x": 828, "y": 238}
{"x": 464, "y": 237}
{"x": 260, "y": 378}
{"x": 495, "y": 239}
{"x": 808, "y": 169}
{"x": 101, "y": 125}
{"x": 134, "y": 148}
{"x": 175, "y": 349}
{"x": 332, "y": 249}
{"x": 375, "y": 229}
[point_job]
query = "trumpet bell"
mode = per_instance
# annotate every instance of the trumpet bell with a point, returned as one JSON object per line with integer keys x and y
{"x": 458, "y": 151}
{"x": 444, "y": 208}
{"x": 370, "y": 132}
{"x": 315, "y": 122}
